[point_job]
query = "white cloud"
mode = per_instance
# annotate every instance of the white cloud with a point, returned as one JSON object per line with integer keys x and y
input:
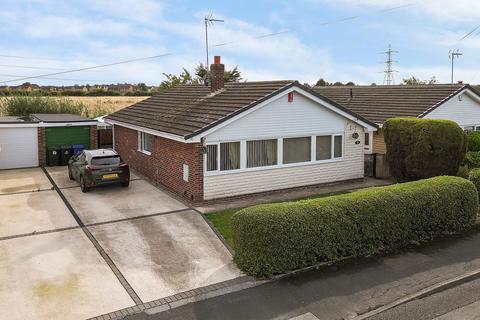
{"x": 454, "y": 10}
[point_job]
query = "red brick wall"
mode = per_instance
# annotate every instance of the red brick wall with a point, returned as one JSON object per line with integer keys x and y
{"x": 93, "y": 137}
{"x": 165, "y": 164}
{"x": 42, "y": 149}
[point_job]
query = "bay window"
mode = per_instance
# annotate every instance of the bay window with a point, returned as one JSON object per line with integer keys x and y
{"x": 276, "y": 152}
{"x": 297, "y": 150}
{"x": 261, "y": 153}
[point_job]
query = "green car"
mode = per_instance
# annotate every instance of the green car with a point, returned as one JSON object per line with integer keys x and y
{"x": 98, "y": 167}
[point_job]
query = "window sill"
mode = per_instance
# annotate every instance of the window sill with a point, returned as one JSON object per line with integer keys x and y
{"x": 148, "y": 153}
{"x": 290, "y": 165}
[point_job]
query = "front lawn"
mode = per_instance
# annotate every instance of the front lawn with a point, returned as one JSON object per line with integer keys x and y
{"x": 222, "y": 219}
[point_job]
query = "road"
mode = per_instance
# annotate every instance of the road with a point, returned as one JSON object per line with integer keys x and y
{"x": 342, "y": 292}
{"x": 458, "y": 303}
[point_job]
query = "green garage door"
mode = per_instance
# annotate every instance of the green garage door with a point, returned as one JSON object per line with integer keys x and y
{"x": 58, "y": 136}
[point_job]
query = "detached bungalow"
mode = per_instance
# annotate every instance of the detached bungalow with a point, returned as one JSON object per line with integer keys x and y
{"x": 240, "y": 138}
{"x": 457, "y": 102}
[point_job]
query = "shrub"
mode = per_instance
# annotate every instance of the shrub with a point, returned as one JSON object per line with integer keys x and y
{"x": 472, "y": 159}
{"x": 423, "y": 148}
{"x": 473, "y": 141}
{"x": 463, "y": 172}
{"x": 474, "y": 176}
{"x": 274, "y": 238}
{"x": 28, "y": 104}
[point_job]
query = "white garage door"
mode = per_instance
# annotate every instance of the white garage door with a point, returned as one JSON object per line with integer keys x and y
{"x": 18, "y": 148}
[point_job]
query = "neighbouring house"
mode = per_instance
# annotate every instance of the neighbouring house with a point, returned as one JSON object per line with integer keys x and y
{"x": 24, "y": 141}
{"x": 232, "y": 139}
{"x": 457, "y": 102}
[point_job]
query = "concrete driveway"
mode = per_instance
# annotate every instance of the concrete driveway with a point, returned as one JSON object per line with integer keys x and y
{"x": 69, "y": 255}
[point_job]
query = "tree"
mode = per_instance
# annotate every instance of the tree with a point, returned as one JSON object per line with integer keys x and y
{"x": 142, "y": 86}
{"x": 233, "y": 75}
{"x": 201, "y": 73}
{"x": 413, "y": 81}
{"x": 323, "y": 83}
{"x": 173, "y": 80}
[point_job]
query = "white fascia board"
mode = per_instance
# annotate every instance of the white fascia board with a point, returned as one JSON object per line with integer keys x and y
{"x": 278, "y": 96}
{"x": 471, "y": 94}
{"x": 19, "y": 125}
{"x": 66, "y": 124}
{"x": 152, "y": 132}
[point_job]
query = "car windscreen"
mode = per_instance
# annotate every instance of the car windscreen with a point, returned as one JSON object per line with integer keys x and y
{"x": 105, "y": 161}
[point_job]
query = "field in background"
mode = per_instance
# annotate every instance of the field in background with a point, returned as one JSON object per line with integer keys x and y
{"x": 111, "y": 103}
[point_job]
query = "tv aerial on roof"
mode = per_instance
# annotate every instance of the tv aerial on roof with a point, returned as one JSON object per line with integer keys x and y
{"x": 209, "y": 21}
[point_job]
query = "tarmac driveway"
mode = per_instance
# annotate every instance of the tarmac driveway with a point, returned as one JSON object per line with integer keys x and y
{"x": 90, "y": 254}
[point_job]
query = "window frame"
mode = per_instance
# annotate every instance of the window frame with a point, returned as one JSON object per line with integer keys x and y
{"x": 280, "y": 164}
{"x": 368, "y": 148}
{"x": 141, "y": 149}
{"x": 262, "y": 167}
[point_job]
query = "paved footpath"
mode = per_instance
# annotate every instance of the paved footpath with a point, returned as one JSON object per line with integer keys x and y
{"x": 340, "y": 292}
{"x": 461, "y": 302}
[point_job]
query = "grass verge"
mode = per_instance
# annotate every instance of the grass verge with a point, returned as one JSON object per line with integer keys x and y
{"x": 222, "y": 220}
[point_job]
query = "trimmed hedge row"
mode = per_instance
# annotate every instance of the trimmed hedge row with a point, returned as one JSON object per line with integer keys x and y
{"x": 474, "y": 176}
{"x": 423, "y": 148}
{"x": 473, "y": 141}
{"x": 275, "y": 238}
{"x": 472, "y": 159}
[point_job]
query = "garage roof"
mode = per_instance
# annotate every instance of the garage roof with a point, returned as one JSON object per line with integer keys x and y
{"x": 60, "y": 117}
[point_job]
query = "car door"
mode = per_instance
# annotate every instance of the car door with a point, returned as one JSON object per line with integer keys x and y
{"x": 77, "y": 165}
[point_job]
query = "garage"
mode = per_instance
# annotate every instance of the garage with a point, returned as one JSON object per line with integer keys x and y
{"x": 18, "y": 146}
{"x": 24, "y": 141}
{"x": 57, "y": 136}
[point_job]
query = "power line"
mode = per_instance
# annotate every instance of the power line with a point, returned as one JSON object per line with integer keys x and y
{"x": 27, "y": 58}
{"x": 30, "y": 67}
{"x": 321, "y": 24}
{"x": 469, "y": 33}
{"x": 257, "y": 37}
{"x": 208, "y": 19}
{"x": 90, "y": 68}
{"x": 49, "y": 78}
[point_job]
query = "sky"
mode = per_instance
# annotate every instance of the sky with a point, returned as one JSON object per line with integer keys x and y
{"x": 338, "y": 40}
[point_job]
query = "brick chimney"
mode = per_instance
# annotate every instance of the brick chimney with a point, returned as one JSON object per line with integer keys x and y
{"x": 217, "y": 69}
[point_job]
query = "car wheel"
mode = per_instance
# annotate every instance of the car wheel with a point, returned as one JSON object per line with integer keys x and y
{"x": 83, "y": 186}
{"x": 70, "y": 176}
{"x": 126, "y": 184}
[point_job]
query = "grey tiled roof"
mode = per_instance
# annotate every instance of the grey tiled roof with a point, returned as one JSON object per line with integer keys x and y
{"x": 189, "y": 109}
{"x": 379, "y": 103}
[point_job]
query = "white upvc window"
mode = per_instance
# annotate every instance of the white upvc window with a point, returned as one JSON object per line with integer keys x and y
{"x": 260, "y": 154}
{"x": 145, "y": 142}
{"x": 329, "y": 147}
{"x": 296, "y": 150}
{"x": 368, "y": 142}
{"x": 223, "y": 156}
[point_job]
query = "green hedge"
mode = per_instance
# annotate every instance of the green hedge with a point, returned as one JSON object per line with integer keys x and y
{"x": 474, "y": 176}
{"x": 472, "y": 159}
{"x": 423, "y": 148}
{"x": 473, "y": 141}
{"x": 275, "y": 238}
